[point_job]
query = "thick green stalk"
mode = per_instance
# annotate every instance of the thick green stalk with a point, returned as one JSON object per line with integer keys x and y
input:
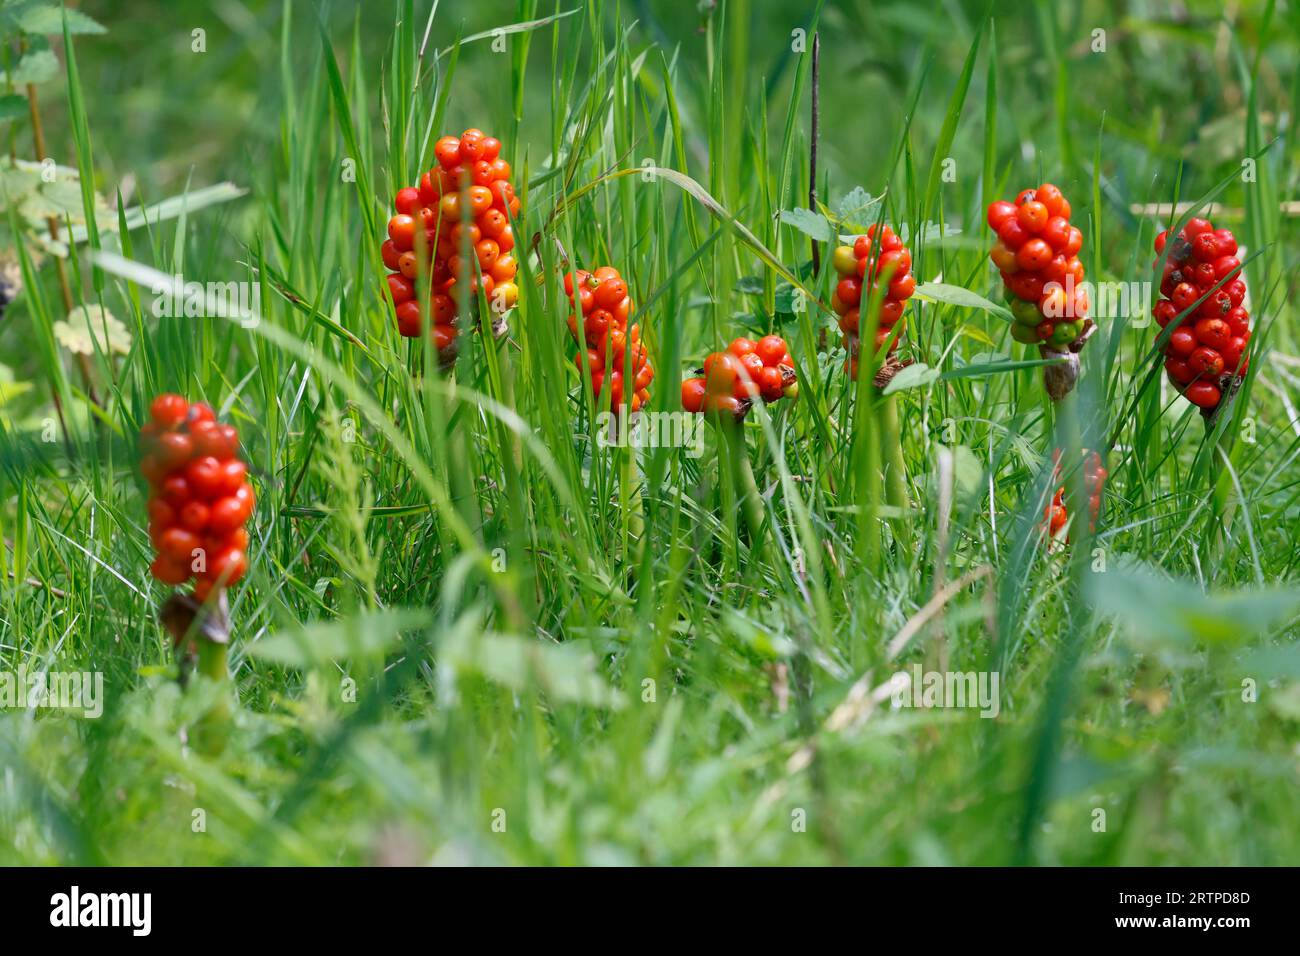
{"x": 212, "y": 730}
{"x": 744, "y": 485}
{"x": 895, "y": 469}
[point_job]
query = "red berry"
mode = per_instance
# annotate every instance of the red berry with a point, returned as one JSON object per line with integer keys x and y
{"x": 227, "y": 566}
{"x": 849, "y": 291}
{"x": 998, "y": 213}
{"x": 1182, "y": 342}
{"x": 1012, "y": 234}
{"x": 1179, "y": 371}
{"x": 1238, "y": 321}
{"x": 169, "y": 410}
{"x": 902, "y": 287}
{"x": 194, "y": 515}
{"x": 169, "y": 572}
{"x": 175, "y": 490}
{"x": 1214, "y": 333}
{"x": 177, "y": 544}
{"x": 741, "y": 347}
{"x": 1205, "y": 361}
{"x": 1184, "y": 296}
{"x": 1225, "y": 266}
{"x": 204, "y": 477}
{"x": 1034, "y": 254}
{"x": 1057, "y": 233}
{"x": 1053, "y": 199}
{"x": 407, "y": 200}
{"x": 771, "y": 349}
{"x": 1232, "y": 352}
{"x": 1205, "y": 247}
{"x": 1203, "y": 394}
{"x": 1032, "y": 216}
{"x": 400, "y": 288}
{"x": 447, "y": 150}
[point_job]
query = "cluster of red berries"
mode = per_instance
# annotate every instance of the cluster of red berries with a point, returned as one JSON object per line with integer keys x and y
{"x": 1094, "y": 478}
{"x": 746, "y": 371}
{"x": 431, "y": 229}
{"x": 1037, "y": 253}
{"x": 888, "y": 264}
{"x": 199, "y": 495}
{"x": 605, "y": 306}
{"x": 1208, "y": 347}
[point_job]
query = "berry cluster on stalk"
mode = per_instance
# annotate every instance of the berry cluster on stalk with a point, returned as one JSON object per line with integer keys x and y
{"x": 1056, "y": 517}
{"x": 602, "y": 301}
{"x": 746, "y": 372}
{"x": 869, "y": 267}
{"x": 199, "y": 495}
{"x": 1037, "y": 254}
{"x": 1202, "y": 282}
{"x": 465, "y": 202}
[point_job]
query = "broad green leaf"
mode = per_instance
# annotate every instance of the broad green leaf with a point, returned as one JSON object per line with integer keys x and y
{"x": 912, "y": 376}
{"x": 956, "y": 295}
{"x": 1156, "y": 610}
{"x": 47, "y": 18}
{"x": 92, "y": 328}
{"x": 13, "y": 106}
{"x": 810, "y": 223}
{"x": 364, "y": 635}
{"x": 853, "y": 207}
{"x": 562, "y": 671}
{"x": 36, "y": 66}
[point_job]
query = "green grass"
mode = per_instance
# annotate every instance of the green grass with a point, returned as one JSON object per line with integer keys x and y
{"x": 463, "y": 609}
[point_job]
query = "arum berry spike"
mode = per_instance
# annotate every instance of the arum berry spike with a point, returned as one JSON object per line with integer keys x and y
{"x": 199, "y": 501}
{"x": 888, "y": 263}
{"x": 602, "y": 300}
{"x": 465, "y": 202}
{"x": 1037, "y": 255}
{"x": 1202, "y": 281}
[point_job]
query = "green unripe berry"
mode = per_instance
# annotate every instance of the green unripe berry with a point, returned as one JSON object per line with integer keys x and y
{"x": 1025, "y": 334}
{"x": 1025, "y": 313}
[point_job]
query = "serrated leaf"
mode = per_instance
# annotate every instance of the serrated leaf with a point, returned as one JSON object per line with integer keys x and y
{"x": 810, "y": 223}
{"x": 787, "y": 296}
{"x": 978, "y": 334}
{"x": 1159, "y": 611}
{"x": 364, "y": 635}
{"x": 561, "y": 671}
{"x": 47, "y": 18}
{"x": 36, "y": 66}
{"x": 854, "y": 205}
{"x": 978, "y": 366}
{"x": 927, "y": 234}
{"x": 92, "y": 328}
{"x": 956, "y": 295}
{"x": 912, "y": 376}
{"x": 13, "y": 106}
{"x": 967, "y": 472}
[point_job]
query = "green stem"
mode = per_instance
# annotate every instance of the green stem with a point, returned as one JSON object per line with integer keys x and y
{"x": 895, "y": 469}
{"x": 212, "y": 730}
{"x": 744, "y": 485}
{"x": 1223, "y": 504}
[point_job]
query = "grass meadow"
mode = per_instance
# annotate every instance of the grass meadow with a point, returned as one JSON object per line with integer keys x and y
{"x": 475, "y": 631}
